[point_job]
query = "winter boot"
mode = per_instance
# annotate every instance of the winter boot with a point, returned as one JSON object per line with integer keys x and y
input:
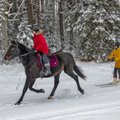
{"x": 114, "y": 81}
{"x": 47, "y": 70}
{"x": 118, "y": 81}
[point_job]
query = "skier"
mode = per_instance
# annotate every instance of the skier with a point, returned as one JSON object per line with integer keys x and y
{"x": 115, "y": 55}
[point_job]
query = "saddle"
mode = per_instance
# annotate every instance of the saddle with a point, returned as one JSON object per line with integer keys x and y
{"x": 53, "y": 58}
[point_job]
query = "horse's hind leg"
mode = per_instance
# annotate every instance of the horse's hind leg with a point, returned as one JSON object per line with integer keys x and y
{"x": 75, "y": 77}
{"x": 56, "y": 82}
{"x": 34, "y": 90}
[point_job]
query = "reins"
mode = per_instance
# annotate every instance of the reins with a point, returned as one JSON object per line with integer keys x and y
{"x": 18, "y": 56}
{"x": 26, "y": 54}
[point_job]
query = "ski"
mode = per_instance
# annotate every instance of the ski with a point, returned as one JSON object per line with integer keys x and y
{"x": 107, "y": 85}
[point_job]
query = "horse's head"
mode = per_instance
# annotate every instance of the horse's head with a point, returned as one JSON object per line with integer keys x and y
{"x": 13, "y": 51}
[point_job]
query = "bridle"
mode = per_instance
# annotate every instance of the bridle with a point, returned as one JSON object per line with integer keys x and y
{"x": 16, "y": 56}
{"x": 26, "y": 54}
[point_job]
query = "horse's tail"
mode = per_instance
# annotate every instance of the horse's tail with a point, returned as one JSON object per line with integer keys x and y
{"x": 79, "y": 72}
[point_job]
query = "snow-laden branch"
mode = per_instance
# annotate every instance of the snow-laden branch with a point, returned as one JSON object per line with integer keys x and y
{"x": 19, "y": 9}
{"x": 110, "y": 35}
{"x": 6, "y": 2}
{"x": 10, "y": 6}
{"x": 2, "y": 17}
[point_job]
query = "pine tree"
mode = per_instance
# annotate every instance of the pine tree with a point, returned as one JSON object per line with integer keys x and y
{"x": 96, "y": 27}
{"x": 25, "y": 35}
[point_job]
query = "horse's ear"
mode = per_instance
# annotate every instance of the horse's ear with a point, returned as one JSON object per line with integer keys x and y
{"x": 13, "y": 42}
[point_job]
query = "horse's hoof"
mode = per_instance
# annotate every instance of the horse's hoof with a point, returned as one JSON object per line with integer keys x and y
{"x": 42, "y": 91}
{"x": 83, "y": 92}
{"x": 17, "y": 103}
{"x": 50, "y": 97}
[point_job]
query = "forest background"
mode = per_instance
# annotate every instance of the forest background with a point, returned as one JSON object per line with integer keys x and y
{"x": 86, "y": 28}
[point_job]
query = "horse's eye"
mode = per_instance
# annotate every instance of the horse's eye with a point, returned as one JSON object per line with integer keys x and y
{"x": 12, "y": 48}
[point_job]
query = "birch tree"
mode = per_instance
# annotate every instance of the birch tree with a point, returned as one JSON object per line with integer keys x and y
{"x": 4, "y": 24}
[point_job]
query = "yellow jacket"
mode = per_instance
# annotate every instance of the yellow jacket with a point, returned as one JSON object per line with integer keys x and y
{"x": 115, "y": 54}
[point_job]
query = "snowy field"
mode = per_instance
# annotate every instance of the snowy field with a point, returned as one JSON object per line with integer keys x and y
{"x": 68, "y": 104}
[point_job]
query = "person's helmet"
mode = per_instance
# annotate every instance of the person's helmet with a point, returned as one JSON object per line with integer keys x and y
{"x": 36, "y": 28}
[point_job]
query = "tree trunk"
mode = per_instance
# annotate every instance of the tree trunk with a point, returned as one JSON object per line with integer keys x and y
{"x": 61, "y": 23}
{"x": 29, "y": 12}
{"x": 38, "y": 12}
{"x": 4, "y": 25}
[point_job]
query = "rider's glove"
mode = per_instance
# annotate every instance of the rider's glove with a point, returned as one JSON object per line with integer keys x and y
{"x": 33, "y": 50}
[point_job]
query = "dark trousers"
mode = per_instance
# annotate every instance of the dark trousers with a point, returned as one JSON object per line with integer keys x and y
{"x": 116, "y": 71}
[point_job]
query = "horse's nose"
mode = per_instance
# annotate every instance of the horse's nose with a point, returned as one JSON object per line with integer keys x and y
{"x": 6, "y": 57}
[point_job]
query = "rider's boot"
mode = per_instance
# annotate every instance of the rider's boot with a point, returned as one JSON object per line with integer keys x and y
{"x": 47, "y": 69}
{"x": 114, "y": 80}
{"x": 118, "y": 81}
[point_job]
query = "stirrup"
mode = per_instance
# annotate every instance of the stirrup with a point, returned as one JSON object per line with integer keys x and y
{"x": 41, "y": 74}
{"x": 46, "y": 72}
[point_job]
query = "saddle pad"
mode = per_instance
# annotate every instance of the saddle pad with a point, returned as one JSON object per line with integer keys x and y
{"x": 53, "y": 61}
{"x": 39, "y": 60}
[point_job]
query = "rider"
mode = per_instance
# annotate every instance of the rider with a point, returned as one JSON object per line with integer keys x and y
{"x": 40, "y": 45}
{"x": 115, "y": 55}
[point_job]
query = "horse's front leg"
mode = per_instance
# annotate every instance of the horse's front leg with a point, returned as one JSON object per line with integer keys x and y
{"x": 27, "y": 82}
{"x": 34, "y": 90}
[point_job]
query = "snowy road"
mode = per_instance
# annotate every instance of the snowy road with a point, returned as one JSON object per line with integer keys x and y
{"x": 71, "y": 112}
{"x": 68, "y": 104}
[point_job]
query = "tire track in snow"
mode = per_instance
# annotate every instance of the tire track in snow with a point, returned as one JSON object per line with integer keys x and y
{"x": 69, "y": 112}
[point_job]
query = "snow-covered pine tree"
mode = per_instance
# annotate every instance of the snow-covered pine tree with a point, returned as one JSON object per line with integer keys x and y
{"x": 68, "y": 24}
{"x": 96, "y": 27}
{"x": 25, "y": 35}
{"x": 51, "y": 24}
{"x": 15, "y": 17}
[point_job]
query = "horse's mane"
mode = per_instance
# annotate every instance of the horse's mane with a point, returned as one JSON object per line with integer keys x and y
{"x": 24, "y": 53}
{"x": 23, "y": 47}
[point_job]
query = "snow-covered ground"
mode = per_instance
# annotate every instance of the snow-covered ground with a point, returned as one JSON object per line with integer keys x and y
{"x": 68, "y": 104}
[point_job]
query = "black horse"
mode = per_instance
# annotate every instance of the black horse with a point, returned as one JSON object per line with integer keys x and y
{"x": 32, "y": 70}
